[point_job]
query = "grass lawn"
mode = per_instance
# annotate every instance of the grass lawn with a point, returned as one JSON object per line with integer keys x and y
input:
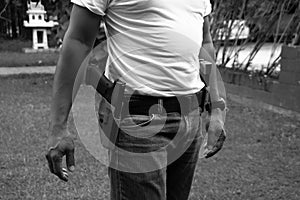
{"x": 11, "y": 55}
{"x": 20, "y": 59}
{"x": 260, "y": 159}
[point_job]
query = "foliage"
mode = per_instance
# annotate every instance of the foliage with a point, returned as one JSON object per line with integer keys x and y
{"x": 60, "y": 10}
{"x": 276, "y": 21}
{"x": 12, "y": 15}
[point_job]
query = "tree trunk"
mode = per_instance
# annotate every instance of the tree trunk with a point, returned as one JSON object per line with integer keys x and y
{"x": 14, "y": 33}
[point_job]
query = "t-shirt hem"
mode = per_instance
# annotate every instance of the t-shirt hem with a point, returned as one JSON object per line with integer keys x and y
{"x": 93, "y": 10}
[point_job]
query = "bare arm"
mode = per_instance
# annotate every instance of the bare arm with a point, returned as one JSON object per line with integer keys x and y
{"x": 78, "y": 42}
{"x": 208, "y": 53}
{"x": 215, "y": 128}
{"x": 208, "y": 50}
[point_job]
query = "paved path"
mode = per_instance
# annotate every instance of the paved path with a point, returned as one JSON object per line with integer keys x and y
{"x": 6, "y": 71}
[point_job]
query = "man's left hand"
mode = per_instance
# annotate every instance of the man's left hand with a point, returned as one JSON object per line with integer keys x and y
{"x": 216, "y": 137}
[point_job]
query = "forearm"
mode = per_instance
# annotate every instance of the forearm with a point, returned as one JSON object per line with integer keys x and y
{"x": 208, "y": 54}
{"x": 78, "y": 42}
{"x": 72, "y": 55}
{"x": 216, "y": 91}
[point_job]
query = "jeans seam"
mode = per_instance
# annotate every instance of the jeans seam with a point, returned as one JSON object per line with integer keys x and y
{"x": 119, "y": 184}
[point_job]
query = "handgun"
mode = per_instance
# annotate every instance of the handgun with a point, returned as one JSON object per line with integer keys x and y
{"x": 110, "y": 109}
{"x": 111, "y": 115}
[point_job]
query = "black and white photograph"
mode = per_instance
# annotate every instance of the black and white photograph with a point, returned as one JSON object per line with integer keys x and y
{"x": 149, "y": 99}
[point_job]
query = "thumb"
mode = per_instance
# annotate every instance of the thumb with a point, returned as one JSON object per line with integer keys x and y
{"x": 70, "y": 160}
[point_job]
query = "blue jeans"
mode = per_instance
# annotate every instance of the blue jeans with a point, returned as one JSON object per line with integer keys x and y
{"x": 155, "y": 155}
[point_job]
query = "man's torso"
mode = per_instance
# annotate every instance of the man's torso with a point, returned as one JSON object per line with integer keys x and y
{"x": 153, "y": 45}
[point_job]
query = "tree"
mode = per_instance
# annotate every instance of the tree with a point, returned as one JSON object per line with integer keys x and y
{"x": 270, "y": 20}
{"x": 12, "y": 15}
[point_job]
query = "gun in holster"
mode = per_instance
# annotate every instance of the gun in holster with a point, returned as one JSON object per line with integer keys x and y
{"x": 110, "y": 109}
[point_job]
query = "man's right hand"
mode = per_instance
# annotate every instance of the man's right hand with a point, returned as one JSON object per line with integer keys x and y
{"x": 58, "y": 147}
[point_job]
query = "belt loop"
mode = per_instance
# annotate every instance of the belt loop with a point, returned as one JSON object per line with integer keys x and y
{"x": 125, "y": 105}
{"x": 189, "y": 103}
{"x": 160, "y": 105}
{"x": 183, "y": 105}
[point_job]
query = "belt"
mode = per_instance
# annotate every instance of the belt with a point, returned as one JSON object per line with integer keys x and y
{"x": 146, "y": 105}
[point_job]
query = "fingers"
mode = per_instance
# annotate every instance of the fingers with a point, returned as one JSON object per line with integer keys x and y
{"x": 218, "y": 145}
{"x": 57, "y": 165}
{"x": 212, "y": 152}
{"x": 54, "y": 158}
{"x": 65, "y": 173}
{"x": 70, "y": 160}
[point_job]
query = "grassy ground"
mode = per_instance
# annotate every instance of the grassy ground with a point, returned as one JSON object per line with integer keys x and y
{"x": 11, "y": 55}
{"x": 14, "y": 45}
{"x": 20, "y": 59}
{"x": 260, "y": 159}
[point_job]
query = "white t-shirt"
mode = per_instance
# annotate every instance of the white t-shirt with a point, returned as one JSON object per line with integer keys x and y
{"x": 153, "y": 45}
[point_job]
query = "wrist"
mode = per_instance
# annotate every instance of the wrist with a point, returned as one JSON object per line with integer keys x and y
{"x": 59, "y": 130}
{"x": 217, "y": 115}
{"x": 58, "y": 134}
{"x": 219, "y": 104}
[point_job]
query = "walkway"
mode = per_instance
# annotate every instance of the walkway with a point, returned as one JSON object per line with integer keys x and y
{"x": 6, "y": 71}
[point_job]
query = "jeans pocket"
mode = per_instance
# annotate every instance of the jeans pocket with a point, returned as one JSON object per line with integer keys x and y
{"x": 133, "y": 121}
{"x": 142, "y": 126}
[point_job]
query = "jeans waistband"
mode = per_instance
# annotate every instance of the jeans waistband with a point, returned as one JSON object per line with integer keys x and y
{"x": 147, "y": 105}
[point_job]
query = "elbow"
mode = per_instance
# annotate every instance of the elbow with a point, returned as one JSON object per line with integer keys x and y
{"x": 75, "y": 37}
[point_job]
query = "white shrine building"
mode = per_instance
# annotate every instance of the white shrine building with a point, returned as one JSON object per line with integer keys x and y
{"x": 36, "y": 13}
